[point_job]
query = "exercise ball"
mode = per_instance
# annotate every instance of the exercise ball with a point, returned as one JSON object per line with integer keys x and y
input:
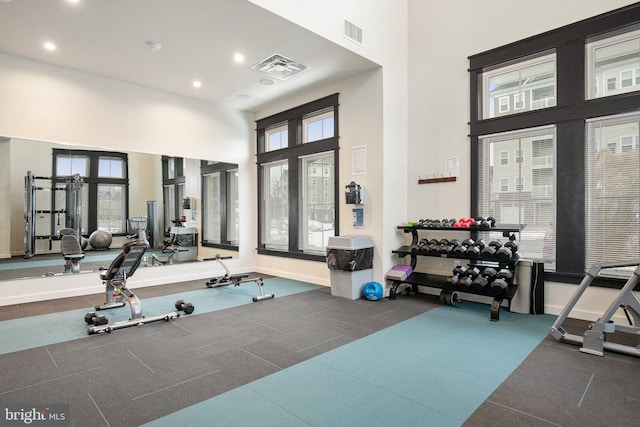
{"x": 373, "y": 291}
{"x": 83, "y": 242}
{"x": 100, "y": 239}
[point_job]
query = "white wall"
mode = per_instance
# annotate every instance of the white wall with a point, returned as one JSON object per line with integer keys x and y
{"x": 442, "y": 35}
{"x": 42, "y": 102}
{"x": 360, "y": 121}
{"x": 384, "y": 25}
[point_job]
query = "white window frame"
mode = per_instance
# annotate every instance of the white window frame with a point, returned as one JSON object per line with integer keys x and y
{"x": 281, "y": 129}
{"x": 519, "y": 100}
{"x": 518, "y": 65}
{"x": 591, "y": 47}
{"x": 504, "y": 184}
{"x": 504, "y": 158}
{"x": 281, "y": 244}
{"x": 310, "y": 196}
{"x": 503, "y": 104}
{"x": 313, "y": 118}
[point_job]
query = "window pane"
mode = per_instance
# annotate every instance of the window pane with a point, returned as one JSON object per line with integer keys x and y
{"x": 613, "y": 189}
{"x": 275, "y": 210}
{"x": 613, "y": 65}
{"x": 110, "y": 167}
{"x": 211, "y": 226}
{"x": 318, "y": 126}
{"x": 276, "y": 137}
{"x": 171, "y": 168}
{"x": 527, "y": 85}
{"x": 318, "y": 207}
{"x": 71, "y": 165}
{"x": 521, "y": 192}
{"x": 111, "y": 208}
{"x": 169, "y": 198}
{"x": 233, "y": 212}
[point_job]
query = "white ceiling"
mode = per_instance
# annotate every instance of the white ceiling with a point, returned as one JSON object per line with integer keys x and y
{"x": 199, "y": 38}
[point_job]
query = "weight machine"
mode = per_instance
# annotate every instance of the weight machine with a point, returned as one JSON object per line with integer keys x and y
{"x": 594, "y": 341}
{"x": 72, "y": 210}
{"x": 115, "y": 279}
{"x": 236, "y": 280}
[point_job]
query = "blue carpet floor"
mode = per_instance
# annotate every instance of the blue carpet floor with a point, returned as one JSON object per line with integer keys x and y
{"x": 432, "y": 370}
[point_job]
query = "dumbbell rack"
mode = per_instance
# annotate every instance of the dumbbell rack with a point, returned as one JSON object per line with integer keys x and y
{"x": 416, "y": 279}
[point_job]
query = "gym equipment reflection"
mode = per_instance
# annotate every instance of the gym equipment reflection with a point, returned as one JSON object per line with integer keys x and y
{"x": 116, "y": 292}
{"x": 33, "y": 244}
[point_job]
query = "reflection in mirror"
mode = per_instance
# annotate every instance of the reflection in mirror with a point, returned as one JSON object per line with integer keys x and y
{"x": 187, "y": 209}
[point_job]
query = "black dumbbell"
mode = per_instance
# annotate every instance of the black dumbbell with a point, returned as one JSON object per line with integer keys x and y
{"x": 447, "y": 248}
{"x": 489, "y": 252}
{"x": 474, "y": 250}
{"x": 461, "y": 250}
{"x": 466, "y": 280}
{"x": 427, "y": 246}
{"x": 500, "y": 286}
{"x": 186, "y": 307}
{"x": 508, "y": 250}
{"x": 483, "y": 282}
{"x": 434, "y": 247}
{"x": 452, "y": 281}
{"x": 459, "y": 270}
{"x": 92, "y": 319}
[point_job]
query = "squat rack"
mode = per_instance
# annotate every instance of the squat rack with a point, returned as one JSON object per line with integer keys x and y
{"x": 72, "y": 210}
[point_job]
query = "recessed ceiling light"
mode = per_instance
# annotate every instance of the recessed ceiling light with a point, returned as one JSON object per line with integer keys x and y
{"x": 73, "y": 1}
{"x": 154, "y": 46}
{"x": 49, "y": 46}
{"x": 267, "y": 82}
{"x": 239, "y": 58}
{"x": 197, "y": 83}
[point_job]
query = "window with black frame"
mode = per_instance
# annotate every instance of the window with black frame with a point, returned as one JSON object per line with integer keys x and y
{"x": 173, "y": 182}
{"x": 220, "y": 208}
{"x": 105, "y": 192}
{"x": 297, "y": 180}
{"x": 554, "y": 133}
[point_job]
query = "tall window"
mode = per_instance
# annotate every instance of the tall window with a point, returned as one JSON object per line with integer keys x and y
{"x": 531, "y": 198}
{"x": 297, "y": 164}
{"x": 582, "y": 102}
{"x": 613, "y": 189}
{"x": 105, "y": 190}
{"x": 173, "y": 190}
{"x": 220, "y": 210}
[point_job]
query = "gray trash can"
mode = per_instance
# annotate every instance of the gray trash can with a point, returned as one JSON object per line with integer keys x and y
{"x": 350, "y": 261}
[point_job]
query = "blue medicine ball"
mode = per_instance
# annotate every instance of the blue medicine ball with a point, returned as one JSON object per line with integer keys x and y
{"x": 373, "y": 291}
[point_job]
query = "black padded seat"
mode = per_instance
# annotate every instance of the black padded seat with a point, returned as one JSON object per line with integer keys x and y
{"x": 127, "y": 261}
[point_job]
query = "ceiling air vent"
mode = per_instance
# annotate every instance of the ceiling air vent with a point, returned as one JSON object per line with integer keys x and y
{"x": 279, "y": 66}
{"x": 352, "y": 32}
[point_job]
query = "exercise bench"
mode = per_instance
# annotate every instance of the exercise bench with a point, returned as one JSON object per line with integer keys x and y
{"x": 115, "y": 279}
{"x": 236, "y": 280}
{"x": 71, "y": 250}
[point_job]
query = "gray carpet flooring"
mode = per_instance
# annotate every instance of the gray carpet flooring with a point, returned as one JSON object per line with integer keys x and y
{"x": 131, "y": 377}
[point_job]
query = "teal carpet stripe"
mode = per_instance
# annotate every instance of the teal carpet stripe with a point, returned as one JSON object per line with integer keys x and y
{"x": 432, "y": 370}
{"x": 34, "y": 263}
{"x": 36, "y": 331}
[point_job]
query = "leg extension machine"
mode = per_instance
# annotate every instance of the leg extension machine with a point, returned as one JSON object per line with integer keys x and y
{"x": 235, "y": 280}
{"x": 594, "y": 341}
{"x": 115, "y": 280}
